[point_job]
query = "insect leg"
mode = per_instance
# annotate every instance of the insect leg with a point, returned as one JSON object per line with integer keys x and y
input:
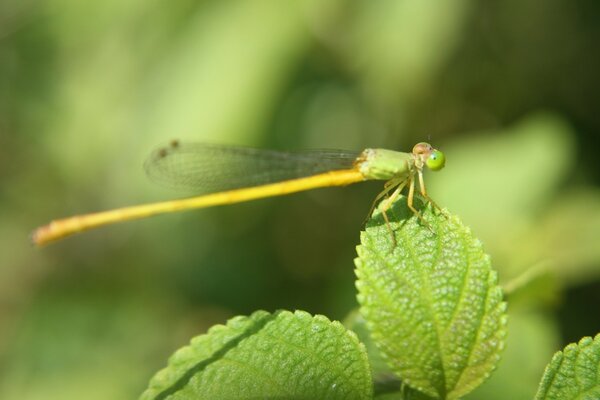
{"x": 387, "y": 203}
{"x": 425, "y": 195}
{"x": 411, "y": 197}
{"x": 387, "y": 187}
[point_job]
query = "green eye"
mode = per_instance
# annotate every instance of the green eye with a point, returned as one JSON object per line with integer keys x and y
{"x": 436, "y": 160}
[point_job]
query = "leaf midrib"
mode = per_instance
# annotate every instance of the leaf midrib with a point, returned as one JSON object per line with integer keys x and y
{"x": 427, "y": 291}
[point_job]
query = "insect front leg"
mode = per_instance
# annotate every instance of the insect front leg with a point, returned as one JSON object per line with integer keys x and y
{"x": 410, "y": 201}
{"x": 426, "y": 196}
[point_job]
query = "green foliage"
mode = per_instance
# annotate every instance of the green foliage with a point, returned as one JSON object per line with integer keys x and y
{"x": 431, "y": 301}
{"x": 432, "y": 322}
{"x": 573, "y": 373}
{"x": 280, "y": 355}
{"x": 533, "y": 338}
{"x": 524, "y": 215}
{"x": 113, "y": 332}
{"x": 386, "y": 384}
{"x": 87, "y": 89}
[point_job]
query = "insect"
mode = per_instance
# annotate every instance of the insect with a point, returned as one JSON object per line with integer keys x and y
{"x": 227, "y": 174}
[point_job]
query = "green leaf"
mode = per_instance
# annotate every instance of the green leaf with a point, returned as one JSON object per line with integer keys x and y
{"x": 281, "y": 355}
{"x": 386, "y": 384}
{"x": 431, "y": 300}
{"x": 573, "y": 373}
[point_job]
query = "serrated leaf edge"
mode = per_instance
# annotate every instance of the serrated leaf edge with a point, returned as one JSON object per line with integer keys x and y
{"x": 553, "y": 367}
{"x": 494, "y": 290}
{"x": 183, "y": 354}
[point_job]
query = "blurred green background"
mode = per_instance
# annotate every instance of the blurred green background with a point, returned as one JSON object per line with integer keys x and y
{"x": 508, "y": 90}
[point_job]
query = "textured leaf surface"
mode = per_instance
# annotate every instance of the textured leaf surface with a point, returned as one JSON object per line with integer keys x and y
{"x": 386, "y": 384}
{"x": 282, "y": 355}
{"x": 573, "y": 373}
{"x": 431, "y": 301}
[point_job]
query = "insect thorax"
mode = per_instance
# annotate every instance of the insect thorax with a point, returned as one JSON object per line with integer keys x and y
{"x": 385, "y": 164}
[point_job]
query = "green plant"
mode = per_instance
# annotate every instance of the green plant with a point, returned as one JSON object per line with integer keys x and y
{"x": 432, "y": 325}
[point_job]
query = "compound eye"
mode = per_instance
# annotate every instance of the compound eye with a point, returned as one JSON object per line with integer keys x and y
{"x": 436, "y": 160}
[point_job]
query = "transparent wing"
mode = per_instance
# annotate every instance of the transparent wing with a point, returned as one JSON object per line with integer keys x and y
{"x": 208, "y": 168}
